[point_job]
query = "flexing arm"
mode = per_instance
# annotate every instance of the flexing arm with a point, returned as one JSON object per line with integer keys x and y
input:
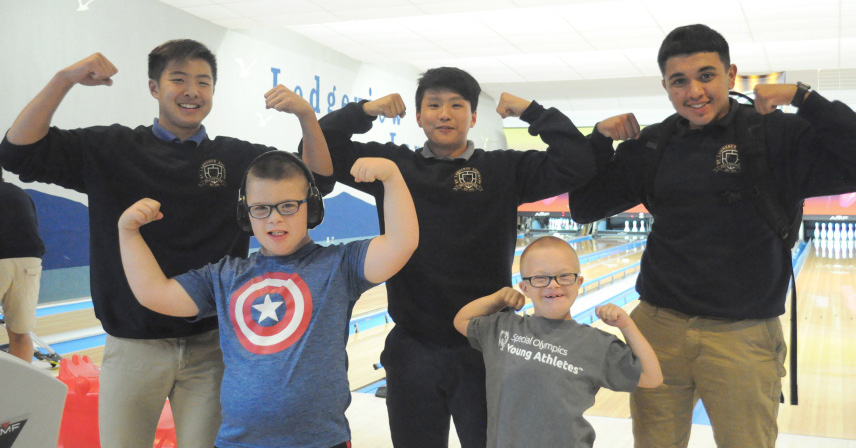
{"x": 770, "y": 96}
{"x": 389, "y": 252}
{"x": 315, "y": 152}
{"x": 568, "y": 162}
{"x": 34, "y": 121}
{"x": 619, "y": 127}
{"x": 390, "y": 106}
{"x": 148, "y": 282}
{"x": 614, "y": 316}
{"x": 488, "y": 305}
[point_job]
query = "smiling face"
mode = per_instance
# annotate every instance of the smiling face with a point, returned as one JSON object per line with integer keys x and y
{"x": 446, "y": 117}
{"x": 278, "y": 234}
{"x": 698, "y": 85}
{"x": 551, "y": 258}
{"x": 185, "y": 94}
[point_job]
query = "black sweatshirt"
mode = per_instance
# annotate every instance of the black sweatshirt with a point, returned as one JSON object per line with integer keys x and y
{"x": 467, "y": 211}
{"x": 721, "y": 261}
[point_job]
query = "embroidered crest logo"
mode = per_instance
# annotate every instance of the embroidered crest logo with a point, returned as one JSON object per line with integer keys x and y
{"x": 468, "y": 179}
{"x": 503, "y": 339}
{"x": 212, "y": 173}
{"x": 271, "y": 312}
{"x": 727, "y": 160}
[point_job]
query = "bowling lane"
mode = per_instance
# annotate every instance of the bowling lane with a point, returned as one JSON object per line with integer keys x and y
{"x": 826, "y": 295}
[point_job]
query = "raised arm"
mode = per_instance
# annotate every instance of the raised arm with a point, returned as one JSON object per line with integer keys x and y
{"x": 315, "y": 152}
{"x": 614, "y": 316}
{"x": 148, "y": 282}
{"x": 389, "y": 106}
{"x": 34, "y": 121}
{"x": 488, "y": 305}
{"x": 389, "y": 252}
{"x": 568, "y": 162}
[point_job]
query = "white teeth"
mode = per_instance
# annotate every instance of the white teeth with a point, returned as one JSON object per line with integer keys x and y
{"x": 277, "y": 233}
{"x": 189, "y": 106}
{"x": 698, "y": 106}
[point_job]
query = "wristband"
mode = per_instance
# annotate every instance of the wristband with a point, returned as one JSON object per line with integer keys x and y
{"x": 799, "y": 97}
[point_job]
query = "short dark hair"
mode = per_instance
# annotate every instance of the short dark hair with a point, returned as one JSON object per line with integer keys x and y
{"x": 450, "y": 78}
{"x": 181, "y": 50}
{"x": 277, "y": 166}
{"x": 690, "y": 39}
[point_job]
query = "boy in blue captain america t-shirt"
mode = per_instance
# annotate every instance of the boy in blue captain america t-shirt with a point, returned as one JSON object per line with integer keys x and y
{"x": 283, "y": 310}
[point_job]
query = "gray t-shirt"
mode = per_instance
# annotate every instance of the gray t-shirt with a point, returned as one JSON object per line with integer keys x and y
{"x": 542, "y": 374}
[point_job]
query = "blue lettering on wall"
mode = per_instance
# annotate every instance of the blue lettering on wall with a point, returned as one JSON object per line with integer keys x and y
{"x": 331, "y": 100}
{"x": 315, "y": 95}
{"x": 275, "y": 72}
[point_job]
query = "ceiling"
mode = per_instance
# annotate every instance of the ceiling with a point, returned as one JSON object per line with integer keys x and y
{"x": 540, "y": 48}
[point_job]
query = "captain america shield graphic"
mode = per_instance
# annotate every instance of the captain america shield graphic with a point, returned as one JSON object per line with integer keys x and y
{"x": 271, "y": 312}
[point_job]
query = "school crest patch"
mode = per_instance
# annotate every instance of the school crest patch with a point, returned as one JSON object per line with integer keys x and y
{"x": 727, "y": 160}
{"x": 468, "y": 179}
{"x": 212, "y": 173}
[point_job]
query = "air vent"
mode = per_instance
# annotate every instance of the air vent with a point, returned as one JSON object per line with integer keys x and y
{"x": 836, "y": 79}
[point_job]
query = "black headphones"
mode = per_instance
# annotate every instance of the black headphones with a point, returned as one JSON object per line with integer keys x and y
{"x": 314, "y": 203}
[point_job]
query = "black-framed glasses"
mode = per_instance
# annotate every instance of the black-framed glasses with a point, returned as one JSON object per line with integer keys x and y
{"x": 542, "y": 281}
{"x": 285, "y": 208}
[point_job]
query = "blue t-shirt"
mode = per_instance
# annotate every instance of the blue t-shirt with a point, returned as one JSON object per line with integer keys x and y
{"x": 282, "y": 321}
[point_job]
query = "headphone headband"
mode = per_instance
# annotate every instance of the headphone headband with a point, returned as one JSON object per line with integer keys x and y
{"x": 314, "y": 202}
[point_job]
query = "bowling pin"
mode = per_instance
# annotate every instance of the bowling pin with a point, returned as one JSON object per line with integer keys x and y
{"x": 816, "y": 231}
{"x": 850, "y": 231}
{"x": 836, "y": 234}
{"x": 823, "y": 231}
{"x": 626, "y": 226}
{"x": 634, "y": 227}
{"x": 642, "y": 227}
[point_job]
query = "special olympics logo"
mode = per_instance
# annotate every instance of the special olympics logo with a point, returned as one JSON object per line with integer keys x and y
{"x": 271, "y": 312}
{"x": 503, "y": 339}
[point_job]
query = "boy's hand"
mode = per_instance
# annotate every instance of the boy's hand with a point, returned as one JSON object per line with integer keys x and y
{"x": 511, "y": 106}
{"x": 94, "y": 70}
{"x": 613, "y": 315}
{"x": 141, "y": 213}
{"x": 370, "y": 169}
{"x": 284, "y": 99}
{"x": 390, "y": 106}
{"x": 770, "y": 96}
{"x": 619, "y": 127}
{"x": 512, "y": 298}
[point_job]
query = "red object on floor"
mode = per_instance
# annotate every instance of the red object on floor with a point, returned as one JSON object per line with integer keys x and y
{"x": 165, "y": 434}
{"x": 79, "y": 427}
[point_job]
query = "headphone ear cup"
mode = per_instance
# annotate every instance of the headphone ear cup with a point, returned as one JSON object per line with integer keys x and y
{"x": 315, "y": 208}
{"x": 243, "y": 216}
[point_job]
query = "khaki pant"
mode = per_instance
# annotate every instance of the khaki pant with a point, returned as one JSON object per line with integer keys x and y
{"x": 137, "y": 375}
{"x": 19, "y": 292}
{"x": 735, "y": 367}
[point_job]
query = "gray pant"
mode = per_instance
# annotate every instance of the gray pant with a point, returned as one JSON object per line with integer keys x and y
{"x": 137, "y": 375}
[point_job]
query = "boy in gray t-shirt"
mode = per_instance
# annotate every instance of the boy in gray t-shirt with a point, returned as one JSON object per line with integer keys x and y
{"x": 547, "y": 365}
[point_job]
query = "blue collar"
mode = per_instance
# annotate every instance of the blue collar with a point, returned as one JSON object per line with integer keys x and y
{"x": 161, "y": 133}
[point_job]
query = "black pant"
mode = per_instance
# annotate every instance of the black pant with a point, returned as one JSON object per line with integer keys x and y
{"x": 427, "y": 384}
